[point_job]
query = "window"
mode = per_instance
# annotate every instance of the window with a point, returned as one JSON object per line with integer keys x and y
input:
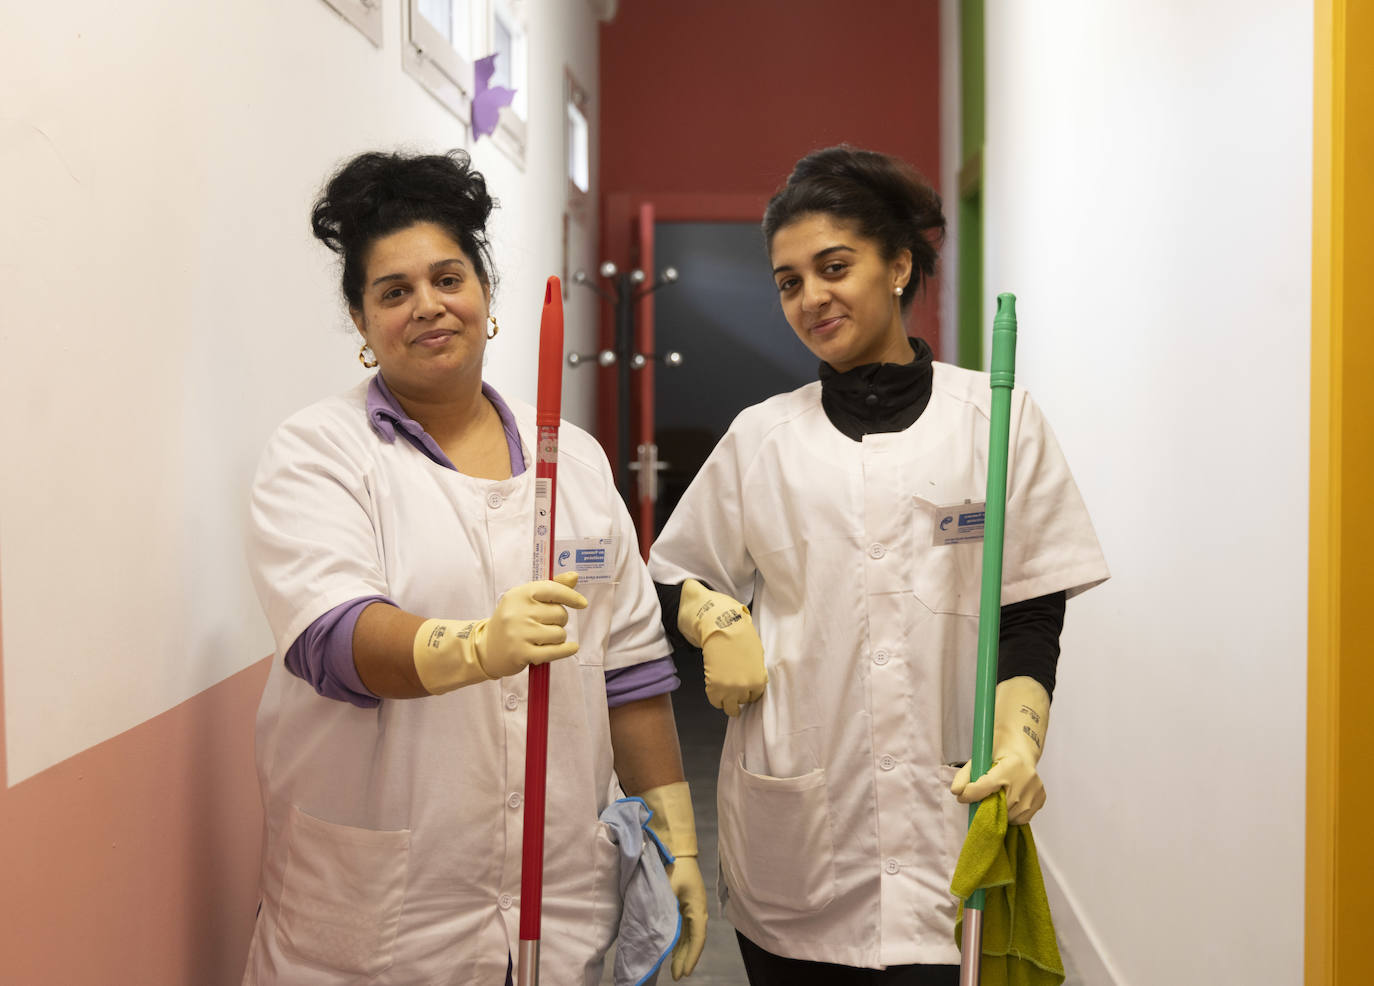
{"x": 438, "y": 50}
{"x": 509, "y": 42}
{"x": 365, "y": 15}
{"x": 451, "y": 20}
{"x": 577, "y": 139}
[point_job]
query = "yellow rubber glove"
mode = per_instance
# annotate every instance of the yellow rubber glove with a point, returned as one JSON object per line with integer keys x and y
{"x": 526, "y": 628}
{"x": 1018, "y": 739}
{"x": 675, "y": 827}
{"x": 730, "y": 647}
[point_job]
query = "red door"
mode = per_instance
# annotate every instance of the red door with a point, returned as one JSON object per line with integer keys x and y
{"x": 626, "y": 427}
{"x": 642, "y": 426}
{"x": 625, "y": 387}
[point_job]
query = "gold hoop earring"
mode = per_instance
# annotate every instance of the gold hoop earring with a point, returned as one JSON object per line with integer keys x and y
{"x": 366, "y": 357}
{"x": 494, "y": 327}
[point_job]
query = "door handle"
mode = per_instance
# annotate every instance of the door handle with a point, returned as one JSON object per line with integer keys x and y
{"x": 648, "y": 465}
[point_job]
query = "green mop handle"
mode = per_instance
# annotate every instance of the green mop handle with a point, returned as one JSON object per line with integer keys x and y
{"x": 994, "y": 527}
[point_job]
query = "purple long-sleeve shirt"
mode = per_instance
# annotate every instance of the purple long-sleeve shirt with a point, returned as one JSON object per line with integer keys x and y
{"x": 323, "y": 653}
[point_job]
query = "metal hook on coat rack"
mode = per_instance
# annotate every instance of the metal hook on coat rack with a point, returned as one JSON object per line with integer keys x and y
{"x": 624, "y": 290}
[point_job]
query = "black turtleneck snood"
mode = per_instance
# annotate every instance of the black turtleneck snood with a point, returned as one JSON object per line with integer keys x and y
{"x": 877, "y": 397}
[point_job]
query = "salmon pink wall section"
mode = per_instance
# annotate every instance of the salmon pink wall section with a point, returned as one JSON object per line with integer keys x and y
{"x": 134, "y": 861}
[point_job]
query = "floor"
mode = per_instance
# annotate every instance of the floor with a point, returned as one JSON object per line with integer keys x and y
{"x": 701, "y": 731}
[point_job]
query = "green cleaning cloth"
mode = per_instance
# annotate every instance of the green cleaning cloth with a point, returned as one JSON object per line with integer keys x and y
{"x": 1018, "y": 934}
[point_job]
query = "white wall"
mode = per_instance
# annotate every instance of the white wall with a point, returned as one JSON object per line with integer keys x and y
{"x": 1148, "y": 192}
{"x": 163, "y": 306}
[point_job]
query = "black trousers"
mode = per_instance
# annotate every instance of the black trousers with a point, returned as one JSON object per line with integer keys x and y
{"x": 767, "y": 969}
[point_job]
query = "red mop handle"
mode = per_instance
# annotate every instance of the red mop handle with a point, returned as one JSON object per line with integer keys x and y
{"x": 537, "y": 725}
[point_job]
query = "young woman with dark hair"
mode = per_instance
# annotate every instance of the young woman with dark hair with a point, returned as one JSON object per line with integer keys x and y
{"x": 390, "y": 540}
{"x": 849, "y": 675}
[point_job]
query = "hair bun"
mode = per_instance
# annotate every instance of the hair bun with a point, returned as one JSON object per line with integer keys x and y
{"x": 884, "y": 196}
{"x": 375, "y": 194}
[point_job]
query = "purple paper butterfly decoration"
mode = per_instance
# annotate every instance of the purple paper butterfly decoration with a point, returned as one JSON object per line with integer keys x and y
{"x": 487, "y": 100}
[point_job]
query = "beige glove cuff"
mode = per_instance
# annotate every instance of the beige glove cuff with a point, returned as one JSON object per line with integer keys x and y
{"x": 1022, "y": 717}
{"x": 673, "y": 821}
{"x": 445, "y": 653}
{"x": 703, "y": 612}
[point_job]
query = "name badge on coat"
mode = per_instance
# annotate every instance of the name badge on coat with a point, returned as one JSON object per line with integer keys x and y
{"x": 593, "y": 559}
{"x": 955, "y": 523}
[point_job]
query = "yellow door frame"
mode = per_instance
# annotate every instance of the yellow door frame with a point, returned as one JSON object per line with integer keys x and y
{"x": 1340, "y": 723}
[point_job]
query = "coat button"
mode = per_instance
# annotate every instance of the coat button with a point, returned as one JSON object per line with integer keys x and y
{"x": 494, "y": 500}
{"x": 514, "y": 800}
{"x": 505, "y": 902}
{"x": 876, "y": 550}
{"x": 512, "y": 702}
{"x": 891, "y": 866}
{"x": 887, "y": 763}
{"x": 880, "y": 657}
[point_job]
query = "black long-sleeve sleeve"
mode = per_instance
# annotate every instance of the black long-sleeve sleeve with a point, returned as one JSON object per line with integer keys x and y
{"x": 1028, "y": 643}
{"x": 670, "y": 600}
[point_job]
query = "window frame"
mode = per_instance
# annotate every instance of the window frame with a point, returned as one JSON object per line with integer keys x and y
{"x": 512, "y": 128}
{"x": 433, "y": 61}
{"x": 365, "y": 15}
{"x": 576, "y": 97}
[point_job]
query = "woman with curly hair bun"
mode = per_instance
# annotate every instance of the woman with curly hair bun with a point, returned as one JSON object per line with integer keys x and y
{"x": 849, "y": 676}
{"x": 390, "y": 546}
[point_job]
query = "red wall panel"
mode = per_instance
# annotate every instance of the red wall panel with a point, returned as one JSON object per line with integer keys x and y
{"x": 722, "y": 96}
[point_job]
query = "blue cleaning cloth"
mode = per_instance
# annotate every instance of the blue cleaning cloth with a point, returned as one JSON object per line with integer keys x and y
{"x": 649, "y": 919}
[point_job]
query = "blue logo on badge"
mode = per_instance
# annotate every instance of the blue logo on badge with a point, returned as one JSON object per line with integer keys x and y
{"x": 563, "y": 557}
{"x": 971, "y": 520}
{"x": 944, "y": 524}
{"x": 591, "y": 556}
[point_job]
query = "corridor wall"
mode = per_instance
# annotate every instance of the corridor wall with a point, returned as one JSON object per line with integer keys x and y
{"x": 162, "y": 307}
{"x": 1148, "y": 193}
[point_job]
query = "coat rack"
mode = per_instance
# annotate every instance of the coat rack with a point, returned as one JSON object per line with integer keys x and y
{"x": 625, "y": 289}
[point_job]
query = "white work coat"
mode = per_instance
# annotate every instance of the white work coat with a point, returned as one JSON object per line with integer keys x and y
{"x": 838, "y": 834}
{"x": 393, "y": 835}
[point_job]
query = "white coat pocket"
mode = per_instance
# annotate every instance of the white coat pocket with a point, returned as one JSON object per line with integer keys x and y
{"x": 945, "y": 578}
{"x": 342, "y": 893}
{"x": 954, "y": 817}
{"x": 776, "y": 836}
{"x": 581, "y": 910}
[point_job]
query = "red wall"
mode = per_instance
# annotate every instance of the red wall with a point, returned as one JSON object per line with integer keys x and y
{"x": 723, "y": 96}
{"x": 706, "y": 105}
